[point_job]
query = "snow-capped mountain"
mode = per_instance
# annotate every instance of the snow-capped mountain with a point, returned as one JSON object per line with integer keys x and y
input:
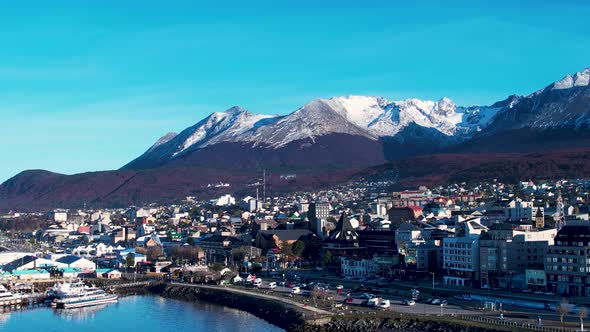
{"x": 412, "y": 124}
{"x": 328, "y": 140}
{"x": 374, "y": 118}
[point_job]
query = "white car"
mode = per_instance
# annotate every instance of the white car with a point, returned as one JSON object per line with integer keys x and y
{"x": 384, "y": 304}
{"x": 435, "y": 301}
{"x": 409, "y": 302}
{"x": 295, "y": 290}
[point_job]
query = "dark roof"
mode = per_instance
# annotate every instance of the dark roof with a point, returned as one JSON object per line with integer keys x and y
{"x": 574, "y": 233}
{"x": 344, "y": 232}
{"x": 18, "y": 263}
{"x": 286, "y": 234}
{"x": 68, "y": 259}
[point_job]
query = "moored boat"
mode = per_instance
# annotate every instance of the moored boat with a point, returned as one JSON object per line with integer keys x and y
{"x": 89, "y": 297}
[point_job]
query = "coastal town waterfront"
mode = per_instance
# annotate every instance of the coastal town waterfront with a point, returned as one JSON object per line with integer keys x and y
{"x": 136, "y": 313}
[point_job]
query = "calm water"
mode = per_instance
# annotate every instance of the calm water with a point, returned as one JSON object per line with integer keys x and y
{"x": 135, "y": 313}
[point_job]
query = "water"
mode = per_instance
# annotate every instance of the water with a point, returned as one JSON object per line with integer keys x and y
{"x": 135, "y": 313}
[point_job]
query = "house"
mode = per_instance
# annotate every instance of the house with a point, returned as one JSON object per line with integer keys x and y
{"x": 399, "y": 215}
{"x": 70, "y": 272}
{"x": 108, "y": 274}
{"x": 31, "y": 262}
{"x": 79, "y": 262}
{"x": 220, "y": 248}
{"x": 343, "y": 240}
{"x": 357, "y": 267}
{"x": 31, "y": 274}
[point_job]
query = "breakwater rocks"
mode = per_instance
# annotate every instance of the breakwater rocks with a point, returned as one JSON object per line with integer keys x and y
{"x": 365, "y": 324}
{"x": 293, "y": 319}
{"x": 274, "y": 312}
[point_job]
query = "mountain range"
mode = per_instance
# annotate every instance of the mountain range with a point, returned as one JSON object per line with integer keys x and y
{"x": 328, "y": 141}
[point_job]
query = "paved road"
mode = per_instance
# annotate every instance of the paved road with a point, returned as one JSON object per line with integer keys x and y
{"x": 396, "y": 303}
{"x": 261, "y": 295}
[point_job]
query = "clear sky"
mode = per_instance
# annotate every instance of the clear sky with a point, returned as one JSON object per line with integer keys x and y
{"x": 87, "y": 87}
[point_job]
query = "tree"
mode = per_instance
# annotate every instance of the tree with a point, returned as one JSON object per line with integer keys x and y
{"x": 130, "y": 261}
{"x": 327, "y": 258}
{"x": 298, "y": 248}
{"x": 582, "y": 313}
{"x": 563, "y": 309}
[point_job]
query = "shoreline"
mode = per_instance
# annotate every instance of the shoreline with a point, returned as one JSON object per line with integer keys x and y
{"x": 296, "y": 319}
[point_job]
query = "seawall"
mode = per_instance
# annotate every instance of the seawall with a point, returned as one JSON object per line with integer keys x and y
{"x": 277, "y": 313}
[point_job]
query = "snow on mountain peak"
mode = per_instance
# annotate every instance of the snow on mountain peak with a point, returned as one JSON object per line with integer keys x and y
{"x": 581, "y": 78}
{"x": 164, "y": 139}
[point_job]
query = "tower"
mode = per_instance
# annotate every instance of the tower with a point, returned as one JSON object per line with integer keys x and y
{"x": 539, "y": 219}
{"x": 560, "y": 212}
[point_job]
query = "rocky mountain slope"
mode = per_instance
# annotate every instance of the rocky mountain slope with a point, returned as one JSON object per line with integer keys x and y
{"x": 327, "y": 140}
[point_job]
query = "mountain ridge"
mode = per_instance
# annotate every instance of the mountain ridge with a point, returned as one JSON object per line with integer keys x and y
{"x": 327, "y": 141}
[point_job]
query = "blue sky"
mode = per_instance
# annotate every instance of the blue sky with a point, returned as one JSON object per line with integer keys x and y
{"x": 87, "y": 87}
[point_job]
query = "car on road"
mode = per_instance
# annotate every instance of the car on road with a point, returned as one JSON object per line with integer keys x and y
{"x": 384, "y": 304}
{"x": 539, "y": 292}
{"x": 295, "y": 290}
{"x": 339, "y": 287}
{"x": 373, "y": 302}
{"x": 367, "y": 296}
{"x": 272, "y": 285}
{"x": 348, "y": 300}
{"x": 409, "y": 302}
{"x": 429, "y": 301}
{"x": 435, "y": 301}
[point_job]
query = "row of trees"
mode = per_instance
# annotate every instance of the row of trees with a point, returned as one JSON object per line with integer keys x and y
{"x": 565, "y": 307}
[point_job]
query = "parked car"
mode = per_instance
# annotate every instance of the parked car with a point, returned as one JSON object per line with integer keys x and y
{"x": 409, "y": 302}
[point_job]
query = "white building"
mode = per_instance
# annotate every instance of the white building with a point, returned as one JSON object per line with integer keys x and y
{"x": 357, "y": 267}
{"x": 517, "y": 210}
{"x": 225, "y": 200}
{"x": 58, "y": 215}
{"x": 461, "y": 255}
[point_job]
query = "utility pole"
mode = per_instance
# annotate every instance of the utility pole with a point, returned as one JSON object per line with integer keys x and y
{"x": 264, "y": 184}
{"x": 432, "y": 282}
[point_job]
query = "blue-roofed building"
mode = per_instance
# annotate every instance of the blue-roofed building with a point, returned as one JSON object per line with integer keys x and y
{"x": 79, "y": 262}
{"x": 31, "y": 262}
{"x": 31, "y": 274}
{"x": 108, "y": 274}
{"x": 70, "y": 272}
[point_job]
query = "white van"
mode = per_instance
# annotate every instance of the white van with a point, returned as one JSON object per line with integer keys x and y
{"x": 272, "y": 285}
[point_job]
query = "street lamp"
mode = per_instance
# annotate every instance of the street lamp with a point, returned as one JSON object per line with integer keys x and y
{"x": 432, "y": 273}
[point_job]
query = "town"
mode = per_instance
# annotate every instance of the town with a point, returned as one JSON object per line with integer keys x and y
{"x": 528, "y": 243}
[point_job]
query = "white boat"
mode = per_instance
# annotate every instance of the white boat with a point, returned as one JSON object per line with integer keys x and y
{"x": 85, "y": 298}
{"x": 67, "y": 288}
{"x": 7, "y": 296}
